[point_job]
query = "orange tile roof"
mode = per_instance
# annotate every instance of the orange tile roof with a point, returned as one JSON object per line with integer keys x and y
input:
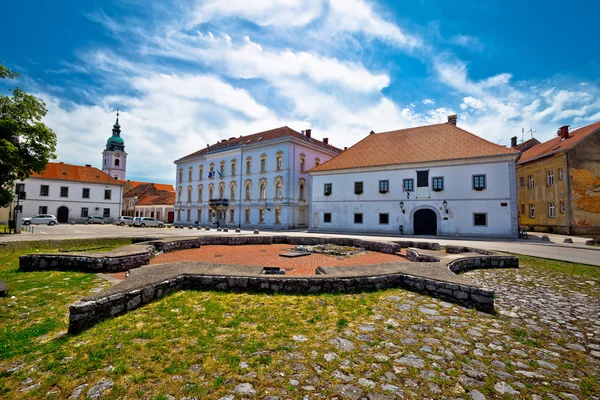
{"x": 414, "y": 145}
{"x": 555, "y": 145}
{"x": 159, "y": 186}
{"x": 75, "y": 173}
{"x": 261, "y": 137}
{"x": 164, "y": 198}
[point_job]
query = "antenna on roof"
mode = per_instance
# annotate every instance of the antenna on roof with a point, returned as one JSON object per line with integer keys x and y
{"x": 500, "y": 141}
{"x": 522, "y": 135}
{"x": 531, "y": 131}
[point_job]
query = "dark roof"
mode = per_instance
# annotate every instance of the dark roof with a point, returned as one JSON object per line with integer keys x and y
{"x": 557, "y": 145}
{"x": 526, "y": 145}
{"x": 163, "y": 198}
{"x": 261, "y": 137}
{"x": 414, "y": 145}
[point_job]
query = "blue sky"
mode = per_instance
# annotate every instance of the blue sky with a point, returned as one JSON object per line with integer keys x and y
{"x": 189, "y": 73}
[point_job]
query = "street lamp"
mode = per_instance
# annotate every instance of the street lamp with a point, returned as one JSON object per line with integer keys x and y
{"x": 402, "y": 207}
{"x": 445, "y": 204}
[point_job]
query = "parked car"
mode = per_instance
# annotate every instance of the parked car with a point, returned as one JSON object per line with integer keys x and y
{"x": 96, "y": 219}
{"x": 131, "y": 222}
{"x": 147, "y": 221}
{"x": 122, "y": 220}
{"x": 45, "y": 219}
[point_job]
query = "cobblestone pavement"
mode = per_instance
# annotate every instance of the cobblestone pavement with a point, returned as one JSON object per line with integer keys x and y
{"x": 268, "y": 255}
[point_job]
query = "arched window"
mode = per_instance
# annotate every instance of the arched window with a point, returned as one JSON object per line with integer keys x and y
{"x": 279, "y": 161}
{"x": 302, "y": 189}
{"x": 190, "y": 174}
{"x": 117, "y": 162}
{"x": 222, "y": 170}
{"x": 179, "y": 193}
{"x": 200, "y": 190}
{"x": 317, "y": 161}
{"x": 201, "y": 172}
{"x": 302, "y": 162}
{"x": 189, "y": 194}
{"x": 211, "y": 191}
{"x": 211, "y": 171}
{"x": 233, "y": 165}
{"x": 180, "y": 174}
{"x": 263, "y": 191}
{"x": 221, "y": 192}
{"x": 232, "y": 190}
{"x": 263, "y": 163}
{"x": 248, "y": 191}
{"x": 248, "y": 165}
{"x": 105, "y": 162}
{"x": 278, "y": 188}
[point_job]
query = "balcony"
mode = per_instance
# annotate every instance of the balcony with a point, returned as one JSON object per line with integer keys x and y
{"x": 218, "y": 202}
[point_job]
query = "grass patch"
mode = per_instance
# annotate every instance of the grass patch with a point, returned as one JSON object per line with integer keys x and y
{"x": 564, "y": 267}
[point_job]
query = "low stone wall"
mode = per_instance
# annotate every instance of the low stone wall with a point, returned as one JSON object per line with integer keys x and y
{"x": 474, "y": 262}
{"x": 418, "y": 245}
{"x": 462, "y": 249}
{"x": 85, "y": 314}
{"x": 414, "y": 256}
{"x": 127, "y": 258}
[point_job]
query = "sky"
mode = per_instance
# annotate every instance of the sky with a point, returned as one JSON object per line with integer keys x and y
{"x": 188, "y": 73}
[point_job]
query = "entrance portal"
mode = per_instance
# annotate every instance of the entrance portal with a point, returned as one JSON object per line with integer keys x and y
{"x": 62, "y": 214}
{"x": 425, "y": 222}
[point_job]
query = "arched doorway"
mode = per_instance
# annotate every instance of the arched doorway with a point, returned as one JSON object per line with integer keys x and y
{"x": 425, "y": 222}
{"x": 62, "y": 215}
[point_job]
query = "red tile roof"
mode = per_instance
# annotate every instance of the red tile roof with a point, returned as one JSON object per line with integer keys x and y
{"x": 260, "y": 137}
{"x": 75, "y": 173}
{"x": 555, "y": 145}
{"x": 164, "y": 198}
{"x": 159, "y": 186}
{"x": 414, "y": 145}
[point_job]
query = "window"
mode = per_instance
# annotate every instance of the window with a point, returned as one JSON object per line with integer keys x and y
{"x": 85, "y": 193}
{"x": 263, "y": 191}
{"x": 550, "y": 178}
{"x": 261, "y": 216}
{"x": 560, "y": 174}
{"x": 327, "y": 217}
{"x": 178, "y": 215}
{"x": 531, "y": 182}
{"x": 248, "y": 167}
{"x": 106, "y": 213}
{"x": 278, "y": 190}
{"x": 180, "y": 174}
{"x": 221, "y": 192}
{"x": 189, "y": 194}
{"x": 232, "y": 190}
{"x": 317, "y": 161}
{"x": 358, "y": 187}
{"x": 408, "y": 184}
{"x": 117, "y": 162}
{"x": 201, "y": 172}
{"x": 188, "y": 216}
{"x": 279, "y": 163}
{"x": 222, "y": 170}
{"x": 278, "y": 216}
{"x": 522, "y": 209}
{"x": 211, "y": 172}
{"x": 84, "y": 212}
{"x": 532, "y": 211}
{"x": 480, "y": 219}
{"x": 302, "y": 164}
{"x": 263, "y": 165}
{"x": 327, "y": 189}
{"x": 179, "y": 194}
{"x": 247, "y": 216}
{"x": 301, "y": 195}
{"x": 248, "y": 195}
{"x": 384, "y": 219}
{"x": 478, "y": 182}
{"x": 105, "y": 162}
{"x": 562, "y": 206}
{"x": 358, "y": 218}
{"x": 200, "y": 193}
{"x": 42, "y": 210}
{"x": 522, "y": 181}
{"x": 384, "y": 186}
{"x": 438, "y": 184}
{"x": 232, "y": 215}
{"x": 44, "y": 190}
{"x": 233, "y": 168}
{"x": 107, "y": 194}
{"x": 190, "y": 174}
{"x": 211, "y": 193}
{"x": 199, "y": 216}
{"x": 551, "y": 210}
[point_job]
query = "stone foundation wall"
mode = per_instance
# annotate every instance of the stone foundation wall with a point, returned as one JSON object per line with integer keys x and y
{"x": 414, "y": 256}
{"x": 462, "y": 249}
{"x": 471, "y": 263}
{"x": 418, "y": 245}
{"x": 85, "y": 314}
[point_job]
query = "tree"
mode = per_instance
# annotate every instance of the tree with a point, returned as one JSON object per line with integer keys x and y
{"x": 26, "y": 144}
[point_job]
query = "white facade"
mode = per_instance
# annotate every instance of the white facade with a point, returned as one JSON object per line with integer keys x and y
{"x": 158, "y": 211}
{"x": 263, "y": 184}
{"x": 114, "y": 163}
{"x": 71, "y": 201}
{"x": 490, "y": 212}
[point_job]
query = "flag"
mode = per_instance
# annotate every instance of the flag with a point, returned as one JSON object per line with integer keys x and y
{"x": 220, "y": 175}
{"x": 211, "y": 174}
{"x": 405, "y": 191}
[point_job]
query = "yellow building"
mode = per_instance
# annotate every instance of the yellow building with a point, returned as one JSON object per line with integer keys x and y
{"x": 558, "y": 183}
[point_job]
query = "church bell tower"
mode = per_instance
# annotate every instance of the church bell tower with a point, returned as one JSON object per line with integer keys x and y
{"x": 114, "y": 158}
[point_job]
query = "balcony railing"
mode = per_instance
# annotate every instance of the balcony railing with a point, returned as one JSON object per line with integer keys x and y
{"x": 218, "y": 202}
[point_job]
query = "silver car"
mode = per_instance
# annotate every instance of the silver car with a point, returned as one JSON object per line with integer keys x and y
{"x": 96, "y": 219}
{"x": 45, "y": 219}
{"x": 147, "y": 221}
{"x": 123, "y": 220}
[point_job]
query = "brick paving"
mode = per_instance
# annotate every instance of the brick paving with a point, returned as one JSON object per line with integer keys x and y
{"x": 268, "y": 255}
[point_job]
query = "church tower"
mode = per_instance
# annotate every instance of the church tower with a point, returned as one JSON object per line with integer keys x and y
{"x": 114, "y": 158}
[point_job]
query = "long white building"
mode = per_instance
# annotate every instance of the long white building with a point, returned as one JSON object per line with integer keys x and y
{"x": 253, "y": 181}
{"x": 71, "y": 193}
{"x": 430, "y": 180}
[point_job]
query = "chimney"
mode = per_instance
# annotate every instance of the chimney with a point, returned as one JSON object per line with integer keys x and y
{"x": 88, "y": 165}
{"x": 563, "y": 132}
{"x": 513, "y": 142}
{"x": 452, "y": 119}
{"x": 308, "y": 132}
{"x": 326, "y": 140}
{"x": 372, "y": 133}
{"x": 345, "y": 148}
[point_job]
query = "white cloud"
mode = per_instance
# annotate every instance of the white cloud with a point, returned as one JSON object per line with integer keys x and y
{"x": 428, "y": 101}
{"x": 472, "y": 102}
{"x": 470, "y": 42}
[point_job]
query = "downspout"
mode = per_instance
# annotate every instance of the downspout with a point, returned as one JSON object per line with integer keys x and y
{"x": 568, "y": 199}
{"x": 293, "y": 184}
{"x": 240, "y": 185}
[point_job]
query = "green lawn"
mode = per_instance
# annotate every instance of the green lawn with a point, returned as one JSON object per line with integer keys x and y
{"x": 202, "y": 344}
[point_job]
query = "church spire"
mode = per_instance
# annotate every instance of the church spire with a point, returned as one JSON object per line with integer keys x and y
{"x": 116, "y": 125}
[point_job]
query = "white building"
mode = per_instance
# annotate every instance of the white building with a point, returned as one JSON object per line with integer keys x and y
{"x": 71, "y": 193}
{"x": 252, "y": 181}
{"x": 114, "y": 158}
{"x": 430, "y": 180}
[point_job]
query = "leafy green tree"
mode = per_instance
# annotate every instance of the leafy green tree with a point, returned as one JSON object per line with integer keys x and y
{"x": 26, "y": 144}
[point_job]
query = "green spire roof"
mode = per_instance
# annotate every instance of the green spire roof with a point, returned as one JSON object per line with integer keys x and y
{"x": 116, "y": 142}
